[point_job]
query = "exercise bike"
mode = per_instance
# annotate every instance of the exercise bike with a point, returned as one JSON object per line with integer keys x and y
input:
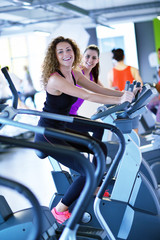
{"x": 70, "y": 229}
{"x": 134, "y": 202}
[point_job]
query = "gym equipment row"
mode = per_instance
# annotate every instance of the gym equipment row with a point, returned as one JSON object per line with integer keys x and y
{"x": 126, "y": 214}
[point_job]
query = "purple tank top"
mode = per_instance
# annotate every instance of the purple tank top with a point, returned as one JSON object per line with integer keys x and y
{"x": 78, "y": 103}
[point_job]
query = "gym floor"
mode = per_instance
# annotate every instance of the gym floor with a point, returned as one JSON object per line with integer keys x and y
{"x": 24, "y": 166}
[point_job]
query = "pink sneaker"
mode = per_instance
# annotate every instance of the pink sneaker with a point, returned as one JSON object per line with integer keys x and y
{"x": 106, "y": 194}
{"x": 60, "y": 217}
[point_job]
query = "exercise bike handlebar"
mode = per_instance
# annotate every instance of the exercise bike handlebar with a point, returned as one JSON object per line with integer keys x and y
{"x": 142, "y": 100}
{"x": 126, "y": 109}
{"x": 139, "y": 104}
{"x": 35, "y": 233}
{"x": 127, "y": 85}
{"x": 11, "y": 86}
{"x": 105, "y": 111}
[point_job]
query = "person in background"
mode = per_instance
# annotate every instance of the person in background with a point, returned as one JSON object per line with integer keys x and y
{"x": 60, "y": 76}
{"x": 28, "y": 90}
{"x": 27, "y": 81}
{"x": 121, "y": 73}
{"x": 154, "y": 105}
{"x": 90, "y": 68}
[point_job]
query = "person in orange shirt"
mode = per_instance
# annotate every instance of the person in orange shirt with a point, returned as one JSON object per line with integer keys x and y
{"x": 121, "y": 73}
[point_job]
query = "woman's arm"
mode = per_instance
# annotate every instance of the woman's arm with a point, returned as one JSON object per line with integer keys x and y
{"x": 91, "y": 86}
{"x": 99, "y": 83}
{"x": 58, "y": 85}
{"x": 136, "y": 75}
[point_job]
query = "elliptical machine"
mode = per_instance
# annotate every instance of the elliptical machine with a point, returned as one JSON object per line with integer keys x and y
{"x": 133, "y": 209}
{"x": 16, "y": 225}
{"x": 70, "y": 230}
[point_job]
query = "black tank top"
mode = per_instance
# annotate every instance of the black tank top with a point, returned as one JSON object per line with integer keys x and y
{"x": 57, "y": 104}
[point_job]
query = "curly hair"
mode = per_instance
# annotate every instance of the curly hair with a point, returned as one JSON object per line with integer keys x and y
{"x": 95, "y": 70}
{"x": 51, "y": 64}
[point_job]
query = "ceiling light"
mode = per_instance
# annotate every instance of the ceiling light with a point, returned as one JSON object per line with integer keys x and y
{"x": 24, "y": 2}
{"x": 42, "y": 33}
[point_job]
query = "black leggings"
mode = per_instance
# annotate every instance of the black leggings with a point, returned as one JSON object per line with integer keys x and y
{"x": 76, "y": 187}
{"x": 97, "y": 133}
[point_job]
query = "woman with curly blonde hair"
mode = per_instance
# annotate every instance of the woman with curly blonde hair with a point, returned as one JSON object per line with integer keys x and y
{"x": 60, "y": 76}
{"x": 51, "y": 64}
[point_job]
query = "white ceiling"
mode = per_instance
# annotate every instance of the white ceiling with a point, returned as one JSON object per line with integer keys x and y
{"x": 29, "y": 15}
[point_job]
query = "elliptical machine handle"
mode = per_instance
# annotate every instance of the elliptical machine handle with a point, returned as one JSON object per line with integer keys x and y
{"x": 11, "y": 86}
{"x": 114, "y": 108}
{"x": 35, "y": 233}
{"x": 127, "y": 86}
{"x": 104, "y": 113}
{"x": 142, "y": 100}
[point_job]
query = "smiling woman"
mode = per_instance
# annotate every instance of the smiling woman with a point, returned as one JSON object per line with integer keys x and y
{"x": 61, "y": 74}
{"x": 65, "y": 54}
{"x": 90, "y": 68}
{"x": 51, "y": 63}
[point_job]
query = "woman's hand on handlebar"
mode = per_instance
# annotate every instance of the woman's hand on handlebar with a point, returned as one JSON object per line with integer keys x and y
{"x": 127, "y": 97}
{"x": 137, "y": 90}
